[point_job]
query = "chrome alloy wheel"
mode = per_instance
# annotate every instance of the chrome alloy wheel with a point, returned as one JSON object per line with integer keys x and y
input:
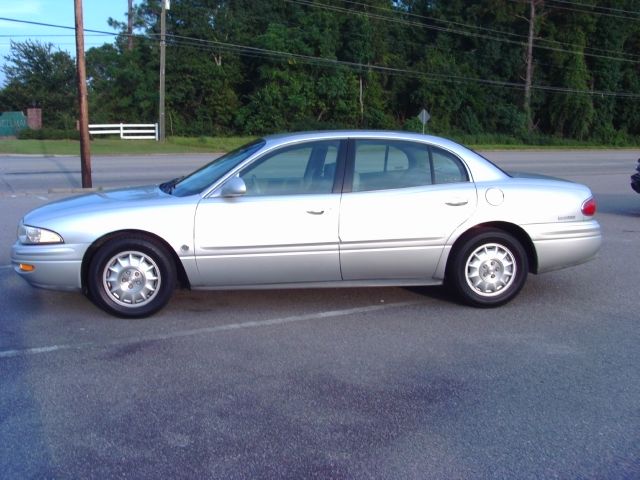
{"x": 490, "y": 269}
{"x": 131, "y": 278}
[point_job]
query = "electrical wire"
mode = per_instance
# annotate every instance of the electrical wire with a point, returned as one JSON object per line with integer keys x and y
{"x": 589, "y": 12}
{"x": 610, "y": 9}
{"x": 537, "y": 40}
{"x": 392, "y": 70}
{"x": 264, "y": 52}
{"x": 312, "y": 4}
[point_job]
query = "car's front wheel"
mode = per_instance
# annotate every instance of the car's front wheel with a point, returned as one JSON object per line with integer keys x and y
{"x": 488, "y": 269}
{"x": 131, "y": 277}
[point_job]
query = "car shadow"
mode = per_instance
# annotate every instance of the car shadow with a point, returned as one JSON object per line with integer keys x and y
{"x": 255, "y": 304}
{"x": 439, "y": 293}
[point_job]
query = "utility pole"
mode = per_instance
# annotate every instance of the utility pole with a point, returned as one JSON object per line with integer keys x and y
{"x": 85, "y": 149}
{"x": 130, "y": 26}
{"x": 163, "y": 45}
{"x": 529, "y": 71}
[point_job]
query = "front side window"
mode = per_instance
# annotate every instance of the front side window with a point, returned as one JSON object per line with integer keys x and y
{"x": 300, "y": 169}
{"x": 210, "y": 173}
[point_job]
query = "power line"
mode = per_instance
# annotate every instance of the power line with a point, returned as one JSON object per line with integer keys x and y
{"x": 460, "y": 24}
{"x": 333, "y": 63}
{"x": 589, "y": 12}
{"x": 610, "y": 9}
{"x": 429, "y": 47}
{"x": 264, "y": 52}
{"x": 393, "y": 70}
{"x": 42, "y": 24}
{"x": 309, "y": 3}
{"x": 380, "y": 17}
{"x": 51, "y": 35}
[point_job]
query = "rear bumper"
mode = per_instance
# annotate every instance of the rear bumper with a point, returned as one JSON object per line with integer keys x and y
{"x": 55, "y": 267}
{"x": 561, "y": 245}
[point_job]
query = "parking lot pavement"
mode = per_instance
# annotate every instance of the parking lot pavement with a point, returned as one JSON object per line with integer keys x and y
{"x": 358, "y": 383}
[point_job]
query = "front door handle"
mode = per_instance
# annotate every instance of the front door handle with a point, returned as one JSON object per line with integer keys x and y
{"x": 315, "y": 212}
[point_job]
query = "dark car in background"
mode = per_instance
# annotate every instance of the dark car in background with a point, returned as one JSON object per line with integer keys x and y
{"x": 635, "y": 178}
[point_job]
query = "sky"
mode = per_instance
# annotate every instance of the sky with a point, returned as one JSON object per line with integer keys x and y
{"x": 57, "y": 12}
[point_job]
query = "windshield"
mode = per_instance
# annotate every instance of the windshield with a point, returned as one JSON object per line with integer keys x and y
{"x": 207, "y": 175}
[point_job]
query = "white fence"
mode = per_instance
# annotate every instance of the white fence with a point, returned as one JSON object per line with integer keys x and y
{"x": 127, "y": 131}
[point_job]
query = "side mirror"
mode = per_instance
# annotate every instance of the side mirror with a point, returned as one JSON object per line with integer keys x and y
{"x": 235, "y": 187}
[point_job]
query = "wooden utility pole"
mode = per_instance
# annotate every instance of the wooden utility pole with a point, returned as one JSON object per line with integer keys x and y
{"x": 85, "y": 149}
{"x": 163, "y": 45}
{"x": 130, "y": 26}
{"x": 529, "y": 72}
{"x": 361, "y": 100}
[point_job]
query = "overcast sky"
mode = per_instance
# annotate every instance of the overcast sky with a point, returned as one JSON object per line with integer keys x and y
{"x": 57, "y": 12}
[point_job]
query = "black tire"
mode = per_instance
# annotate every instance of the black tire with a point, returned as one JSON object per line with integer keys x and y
{"x": 488, "y": 269}
{"x": 131, "y": 277}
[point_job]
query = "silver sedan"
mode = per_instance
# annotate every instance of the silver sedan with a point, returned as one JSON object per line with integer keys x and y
{"x": 321, "y": 209}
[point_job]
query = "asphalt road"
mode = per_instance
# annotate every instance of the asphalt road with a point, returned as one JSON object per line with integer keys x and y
{"x": 22, "y": 173}
{"x": 358, "y": 383}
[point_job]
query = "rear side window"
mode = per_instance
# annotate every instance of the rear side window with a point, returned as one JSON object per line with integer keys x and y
{"x": 447, "y": 168}
{"x": 379, "y": 157}
{"x": 391, "y": 164}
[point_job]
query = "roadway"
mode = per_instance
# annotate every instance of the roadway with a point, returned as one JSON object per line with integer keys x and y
{"x": 360, "y": 383}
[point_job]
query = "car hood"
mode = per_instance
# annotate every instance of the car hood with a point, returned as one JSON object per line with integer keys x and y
{"x": 95, "y": 202}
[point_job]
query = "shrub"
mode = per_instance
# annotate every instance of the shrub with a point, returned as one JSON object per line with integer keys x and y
{"x": 48, "y": 134}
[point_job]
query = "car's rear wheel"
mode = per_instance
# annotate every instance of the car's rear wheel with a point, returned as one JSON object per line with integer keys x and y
{"x": 131, "y": 277}
{"x": 488, "y": 269}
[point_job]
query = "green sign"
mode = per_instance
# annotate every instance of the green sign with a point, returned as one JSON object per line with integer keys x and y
{"x": 11, "y": 123}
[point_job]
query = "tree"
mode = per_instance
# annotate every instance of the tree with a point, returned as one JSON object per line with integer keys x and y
{"x": 570, "y": 114}
{"x": 37, "y": 75}
{"x": 123, "y": 83}
{"x": 256, "y": 66}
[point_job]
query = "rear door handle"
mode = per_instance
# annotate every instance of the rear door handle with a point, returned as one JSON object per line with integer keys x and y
{"x": 315, "y": 212}
{"x": 457, "y": 202}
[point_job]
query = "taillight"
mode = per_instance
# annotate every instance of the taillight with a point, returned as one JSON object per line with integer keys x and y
{"x": 589, "y": 207}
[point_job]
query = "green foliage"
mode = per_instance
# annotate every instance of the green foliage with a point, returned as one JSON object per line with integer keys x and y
{"x": 256, "y": 67}
{"x": 48, "y": 134}
{"x": 39, "y": 76}
{"x": 122, "y": 84}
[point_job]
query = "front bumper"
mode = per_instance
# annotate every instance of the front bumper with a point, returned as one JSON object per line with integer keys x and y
{"x": 56, "y": 267}
{"x": 560, "y": 245}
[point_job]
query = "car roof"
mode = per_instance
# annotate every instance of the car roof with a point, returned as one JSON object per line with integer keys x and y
{"x": 281, "y": 138}
{"x": 482, "y": 169}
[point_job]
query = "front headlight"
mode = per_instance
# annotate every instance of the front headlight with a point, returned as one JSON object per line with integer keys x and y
{"x": 28, "y": 235}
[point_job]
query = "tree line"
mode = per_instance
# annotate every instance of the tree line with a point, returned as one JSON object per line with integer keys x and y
{"x": 567, "y": 69}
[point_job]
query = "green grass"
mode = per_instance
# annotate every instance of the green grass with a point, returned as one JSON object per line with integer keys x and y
{"x": 104, "y": 146}
{"x": 536, "y": 142}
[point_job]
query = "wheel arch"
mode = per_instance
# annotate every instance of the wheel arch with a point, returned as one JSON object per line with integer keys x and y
{"x": 518, "y": 232}
{"x": 183, "y": 279}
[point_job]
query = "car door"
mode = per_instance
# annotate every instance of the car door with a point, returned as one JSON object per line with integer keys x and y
{"x": 283, "y": 230}
{"x": 406, "y": 199}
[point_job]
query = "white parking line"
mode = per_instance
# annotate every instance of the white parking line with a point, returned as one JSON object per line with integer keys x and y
{"x": 202, "y": 331}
